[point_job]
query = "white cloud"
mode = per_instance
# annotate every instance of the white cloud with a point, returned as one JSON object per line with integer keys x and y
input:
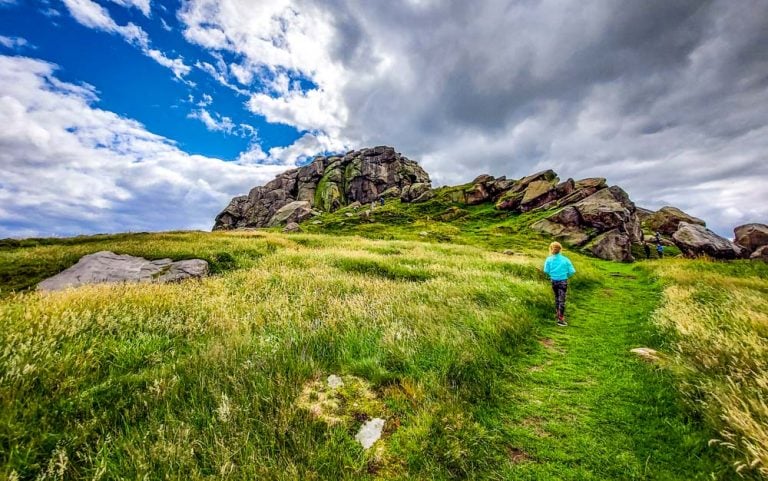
{"x": 13, "y": 42}
{"x": 142, "y": 5}
{"x": 276, "y": 37}
{"x": 92, "y": 15}
{"x": 219, "y": 123}
{"x": 69, "y": 167}
{"x": 179, "y": 68}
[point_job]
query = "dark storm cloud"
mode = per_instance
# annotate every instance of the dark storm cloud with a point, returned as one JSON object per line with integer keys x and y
{"x": 666, "y": 98}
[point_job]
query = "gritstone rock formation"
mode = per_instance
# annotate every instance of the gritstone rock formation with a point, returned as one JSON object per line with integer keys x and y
{"x": 327, "y": 184}
{"x": 586, "y": 213}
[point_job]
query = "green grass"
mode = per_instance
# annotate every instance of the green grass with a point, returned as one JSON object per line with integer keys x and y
{"x": 429, "y": 324}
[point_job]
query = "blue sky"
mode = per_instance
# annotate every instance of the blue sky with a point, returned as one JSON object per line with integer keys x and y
{"x": 133, "y": 85}
{"x": 135, "y": 115}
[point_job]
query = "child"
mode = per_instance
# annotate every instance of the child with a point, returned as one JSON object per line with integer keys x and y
{"x": 559, "y": 268}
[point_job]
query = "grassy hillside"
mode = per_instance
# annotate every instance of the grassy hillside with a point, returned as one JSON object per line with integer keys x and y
{"x": 427, "y": 323}
{"x": 715, "y": 316}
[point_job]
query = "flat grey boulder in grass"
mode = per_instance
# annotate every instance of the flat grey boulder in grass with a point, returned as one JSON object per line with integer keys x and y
{"x": 108, "y": 267}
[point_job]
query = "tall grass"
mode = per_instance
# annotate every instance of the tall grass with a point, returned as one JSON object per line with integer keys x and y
{"x": 717, "y": 315}
{"x": 201, "y": 379}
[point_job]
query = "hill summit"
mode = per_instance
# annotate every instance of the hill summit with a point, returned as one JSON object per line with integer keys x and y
{"x": 587, "y": 214}
{"x": 327, "y": 184}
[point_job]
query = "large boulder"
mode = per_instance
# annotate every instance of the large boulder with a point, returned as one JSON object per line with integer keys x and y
{"x": 751, "y": 236}
{"x": 538, "y": 193}
{"x": 108, "y": 267}
{"x": 572, "y": 235}
{"x": 696, "y": 240}
{"x": 760, "y": 254}
{"x": 412, "y": 192}
{"x": 667, "y": 219}
{"x": 613, "y": 245}
{"x": 513, "y": 196}
{"x": 604, "y": 210}
{"x": 296, "y": 211}
{"x": 328, "y": 183}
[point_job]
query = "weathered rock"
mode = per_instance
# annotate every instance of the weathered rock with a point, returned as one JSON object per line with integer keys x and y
{"x": 424, "y": 197}
{"x": 292, "y": 227}
{"x": 370, "y": 432}
{"x": 294, "y": 212}
{"x": 760, "y": 254}
{"x": 108, "y": 267}
{"x": 695, "y": 240}
{"x": 590, "y": 183}
{"x": 538, "y": 193}
{"x": 751, "y": 236}
{"x": 603, "y": 211}
{"x": 569, "y": 216}
{"x": 410, "y": 192}
{"x": 572, "y": 235}
{"x": 477, "y": 194}
{"x": 667, "y": 219}
{"x": 329, "y": 183}
{"x": 510, "y": 200}
{"x": 612, "y": 245}
{"x": 483, "y": 179}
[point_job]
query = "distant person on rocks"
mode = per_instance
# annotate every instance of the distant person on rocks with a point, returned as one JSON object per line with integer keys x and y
{"x": 647, "y": 249}
{"x": 381, "y": 200}
{"x": 559, "y": 268}
{"x": 658, "y": 237}
{"x": 660, "y": 250}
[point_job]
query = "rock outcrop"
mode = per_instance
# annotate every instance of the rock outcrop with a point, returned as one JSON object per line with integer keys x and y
{"x": 751, "y": 236}
{"x": 587, "y": 213}
{"x": 696, "y": 240}
{"x": 327, "y": 184}
{"x": 108, "y": 267}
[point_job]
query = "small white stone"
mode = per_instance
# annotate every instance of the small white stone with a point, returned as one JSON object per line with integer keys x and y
{"x": 370, "y": 432}
{"x": 334, "y": 381}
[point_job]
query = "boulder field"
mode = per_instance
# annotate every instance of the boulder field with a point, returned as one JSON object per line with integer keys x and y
{"x": 587, "y": 214}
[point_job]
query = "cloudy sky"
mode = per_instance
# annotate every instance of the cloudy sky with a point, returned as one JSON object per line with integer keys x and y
{"x": 134, "y": 115}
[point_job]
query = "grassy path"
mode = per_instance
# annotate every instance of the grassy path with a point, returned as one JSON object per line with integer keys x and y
{"x": 584, "y": 408}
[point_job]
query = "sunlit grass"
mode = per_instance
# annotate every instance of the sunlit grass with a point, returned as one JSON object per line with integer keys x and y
{"x": 202, "y": 377}
{"x": 717, "y": 315}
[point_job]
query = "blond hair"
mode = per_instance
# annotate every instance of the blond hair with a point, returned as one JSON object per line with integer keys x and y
{"x": 555, "y": 248}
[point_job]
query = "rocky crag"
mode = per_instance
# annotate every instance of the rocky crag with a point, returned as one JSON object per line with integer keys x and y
{"x": 587, "y": 214}
{"x": 327, "y": 184}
